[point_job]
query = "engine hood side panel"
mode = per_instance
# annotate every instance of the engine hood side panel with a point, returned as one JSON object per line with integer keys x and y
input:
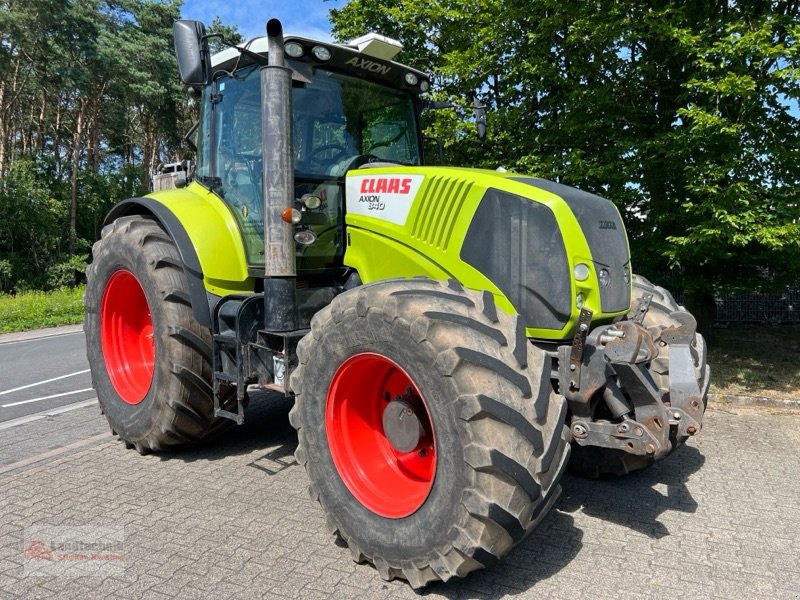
{"x": 430, "y": 211}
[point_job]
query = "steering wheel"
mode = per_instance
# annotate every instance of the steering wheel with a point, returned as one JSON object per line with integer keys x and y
{"x": 341, "y": 151}
{"x": 363, "y": 159}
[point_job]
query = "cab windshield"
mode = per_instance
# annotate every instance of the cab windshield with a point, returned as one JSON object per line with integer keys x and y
{"x": 339, "y": 123}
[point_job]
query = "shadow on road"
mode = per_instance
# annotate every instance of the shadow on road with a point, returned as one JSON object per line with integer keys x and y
{"x": 266, "y": 427}
{"x": 636, "y": 501}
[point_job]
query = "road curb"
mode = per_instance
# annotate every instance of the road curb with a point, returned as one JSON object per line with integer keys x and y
{"x": 759, "y": 401}
{"x": 35, "y": 334}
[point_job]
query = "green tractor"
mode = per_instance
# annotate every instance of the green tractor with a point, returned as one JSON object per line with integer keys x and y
{"x": 453, "y": 338}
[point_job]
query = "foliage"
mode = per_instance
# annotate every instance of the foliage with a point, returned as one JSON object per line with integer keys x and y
{"x": 90, "y": 104}
{"x": 684, "y": 114}
{"x": 34, "y": 309}
{"x": 31, "y": 223}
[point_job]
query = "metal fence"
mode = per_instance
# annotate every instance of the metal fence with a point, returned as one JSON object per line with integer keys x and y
{"x": 760, "y": 308}
{"x": 755, "y": 307}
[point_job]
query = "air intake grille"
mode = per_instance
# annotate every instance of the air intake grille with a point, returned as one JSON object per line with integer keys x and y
{"x": 442, "y": 198}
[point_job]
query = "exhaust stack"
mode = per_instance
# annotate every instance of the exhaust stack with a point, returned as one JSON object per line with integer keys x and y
{"x": 278, "y": 185}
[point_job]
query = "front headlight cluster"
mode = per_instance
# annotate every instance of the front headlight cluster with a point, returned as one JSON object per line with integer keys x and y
{"x": 296, "y": 50}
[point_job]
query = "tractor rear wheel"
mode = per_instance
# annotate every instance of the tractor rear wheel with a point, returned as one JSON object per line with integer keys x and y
{"x": 150, "y": 359}
{"x": 592, "y": 461}
{"x": 428, "y": 426}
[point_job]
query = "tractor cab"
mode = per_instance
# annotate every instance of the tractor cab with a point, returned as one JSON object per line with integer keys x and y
{"x": 350, "y": 109}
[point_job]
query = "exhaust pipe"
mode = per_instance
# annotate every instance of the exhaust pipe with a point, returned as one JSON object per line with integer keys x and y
{"x": 278, "y": 185}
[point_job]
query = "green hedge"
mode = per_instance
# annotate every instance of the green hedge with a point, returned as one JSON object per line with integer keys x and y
{"x": 33, "y": 310}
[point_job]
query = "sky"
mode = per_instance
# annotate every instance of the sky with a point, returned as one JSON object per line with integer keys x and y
{"x": 307, "y": 18}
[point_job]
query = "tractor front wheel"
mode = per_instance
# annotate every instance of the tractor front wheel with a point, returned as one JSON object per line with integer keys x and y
{"x": 428, "y": 426}
{"x": 149, "y": 358}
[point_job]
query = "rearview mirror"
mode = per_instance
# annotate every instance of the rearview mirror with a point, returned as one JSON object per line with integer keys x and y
{"x": 479, "y": 112}
{"x": 191, "y": 50}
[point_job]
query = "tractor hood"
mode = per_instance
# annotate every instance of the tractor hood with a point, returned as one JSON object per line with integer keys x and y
{"x": 543, "y": 249}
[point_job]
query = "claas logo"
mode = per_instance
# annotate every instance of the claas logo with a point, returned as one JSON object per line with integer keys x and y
{"x": 385, "y": 185}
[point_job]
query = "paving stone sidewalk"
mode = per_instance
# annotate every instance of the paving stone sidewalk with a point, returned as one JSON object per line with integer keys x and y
{"x": 718, "y": 519}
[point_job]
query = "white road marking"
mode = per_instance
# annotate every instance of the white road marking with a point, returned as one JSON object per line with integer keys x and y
{"x": 51, "y": 412}
{"x": 30, "y": 385}
{"x": 46, "y": 397}
{"x": 101, "y": 437}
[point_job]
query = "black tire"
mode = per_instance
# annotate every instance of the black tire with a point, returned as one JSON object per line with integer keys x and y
{"x": 594, "y": 462}
{"x": 177, "y": 409}
{"x": 500, "y": 428}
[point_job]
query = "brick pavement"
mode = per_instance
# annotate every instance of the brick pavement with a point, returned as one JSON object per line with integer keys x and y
{"x": 56, "y": 430}
{"x": 719, "y": 519}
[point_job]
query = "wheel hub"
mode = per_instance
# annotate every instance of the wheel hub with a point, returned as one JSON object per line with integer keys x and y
{"x": 402, "y": 425}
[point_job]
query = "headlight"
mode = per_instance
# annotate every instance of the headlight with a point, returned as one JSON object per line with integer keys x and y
{"x": 604, "y": 277}
{"x": 311, "y": 202}
{"x": 305, "y": 237}
{"x": 321, "y": 53}
{"x": 411, "y": 79}
{"x": 294, "y": 50}
{"x": 581, "y": 271}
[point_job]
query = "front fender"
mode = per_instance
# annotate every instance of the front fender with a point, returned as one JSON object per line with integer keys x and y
{"x": 207, "y": 238}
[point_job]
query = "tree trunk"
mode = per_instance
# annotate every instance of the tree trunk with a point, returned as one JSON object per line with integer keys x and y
{"x": 57, "y": 139}
{"x": 148, "y": 149}
{"x": 40, "y": 124}
{"x": 73, "y": 184}
{"x": 3, "y": 128}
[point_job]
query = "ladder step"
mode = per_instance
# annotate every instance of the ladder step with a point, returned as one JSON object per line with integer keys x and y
{"x": 239, "y": 418}
{"x": 227, "y": 340}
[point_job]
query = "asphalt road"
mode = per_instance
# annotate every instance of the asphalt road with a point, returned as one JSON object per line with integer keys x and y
{"x": 43, "y": 373}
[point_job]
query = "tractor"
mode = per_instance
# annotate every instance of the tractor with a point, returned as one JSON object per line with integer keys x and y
{"x": 453, "y": 339}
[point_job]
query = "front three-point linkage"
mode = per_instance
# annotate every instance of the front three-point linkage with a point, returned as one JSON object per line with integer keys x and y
{"x": 614, "y": 399}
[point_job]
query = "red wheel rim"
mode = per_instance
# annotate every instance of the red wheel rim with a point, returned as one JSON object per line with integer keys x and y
{"x": 126, "y": 336}
{"x": 385, "y": 480}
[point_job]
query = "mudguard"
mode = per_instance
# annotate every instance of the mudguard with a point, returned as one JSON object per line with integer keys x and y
{"x": 207, "y": 238}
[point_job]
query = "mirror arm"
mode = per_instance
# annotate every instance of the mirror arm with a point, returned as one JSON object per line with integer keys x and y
{"x": 260, "y": 60}
{"x": 439, "y": 147}
{"x": 187, "y": 138}
{"x": 437, "y": 105}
